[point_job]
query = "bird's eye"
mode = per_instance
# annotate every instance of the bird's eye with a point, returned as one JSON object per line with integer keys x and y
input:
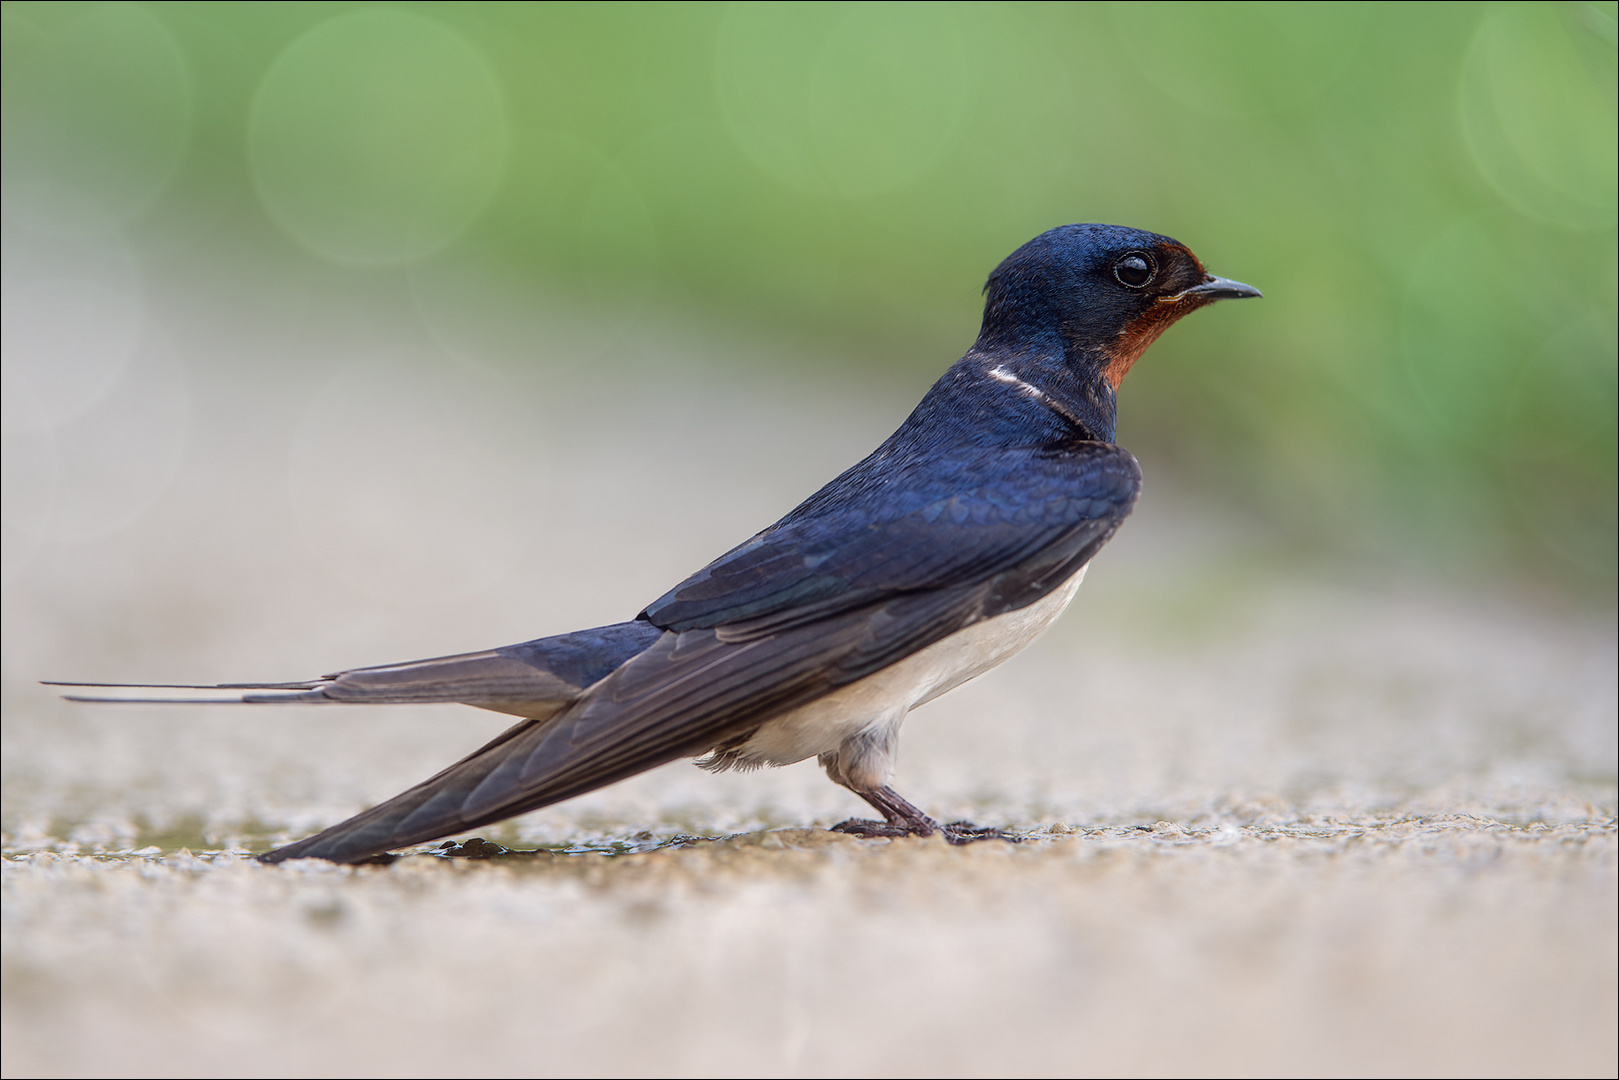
{"x": 1135, "y": 269}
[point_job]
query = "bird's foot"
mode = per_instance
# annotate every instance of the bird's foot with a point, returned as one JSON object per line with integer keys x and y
{"x": 901, "y": 818}
{"x": 872, "y": 830}
{"x": 957, "y": 832}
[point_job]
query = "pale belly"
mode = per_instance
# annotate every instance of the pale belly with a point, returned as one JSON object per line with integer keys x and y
{"x": 882, "y": 700}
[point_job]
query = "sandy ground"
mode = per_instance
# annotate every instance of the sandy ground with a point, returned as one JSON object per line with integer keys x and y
{"x": 1282, "y": 816}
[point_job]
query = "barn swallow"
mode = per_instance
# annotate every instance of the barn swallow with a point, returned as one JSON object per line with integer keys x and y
{"x": 948, "y": 549}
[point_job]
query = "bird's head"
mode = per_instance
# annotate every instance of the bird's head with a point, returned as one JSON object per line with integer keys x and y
{"x": 1096, "y": 296}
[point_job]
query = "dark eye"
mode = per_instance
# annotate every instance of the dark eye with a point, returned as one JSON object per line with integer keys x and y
{"x": 1135, "y": 269}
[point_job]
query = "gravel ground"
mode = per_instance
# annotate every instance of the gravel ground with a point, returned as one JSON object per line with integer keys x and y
{"x": 1281, "y": 816}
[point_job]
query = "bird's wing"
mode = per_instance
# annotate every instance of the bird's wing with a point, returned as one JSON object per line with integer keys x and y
{"x": 530, "y": 679}
{"x": 698, "y": 685}
{"x": 947, "y": 520}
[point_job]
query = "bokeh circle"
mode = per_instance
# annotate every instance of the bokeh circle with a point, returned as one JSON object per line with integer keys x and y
{"x": 378, "y": 137}
{"x": 98, "y": 106}
{"x": 1538, "y": 111}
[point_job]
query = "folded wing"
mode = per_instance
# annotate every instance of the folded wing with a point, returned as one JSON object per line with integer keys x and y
{"x": 947, "y": 520}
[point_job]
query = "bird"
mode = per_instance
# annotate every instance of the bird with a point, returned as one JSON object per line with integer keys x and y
{"x": 939, "y": 555}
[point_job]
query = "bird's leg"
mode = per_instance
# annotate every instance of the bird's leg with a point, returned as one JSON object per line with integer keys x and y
{"x": 867, "y": 757}
{"x": 901, "y": 818}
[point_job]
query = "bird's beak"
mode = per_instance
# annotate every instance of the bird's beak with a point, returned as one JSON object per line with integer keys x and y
{"x": 1219, "y": 288}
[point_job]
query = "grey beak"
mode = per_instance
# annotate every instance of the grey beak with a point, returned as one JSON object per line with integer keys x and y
{"x": 1219, "y": 288}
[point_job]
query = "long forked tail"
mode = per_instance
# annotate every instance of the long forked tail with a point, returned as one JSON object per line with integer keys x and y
{"x": 489, "y": 680}
{"x": 532, "y": 679}
{"x": 310, "y": 692}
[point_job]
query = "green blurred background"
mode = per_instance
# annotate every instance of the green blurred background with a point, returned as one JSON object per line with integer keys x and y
{"x": 1426, "y": 194}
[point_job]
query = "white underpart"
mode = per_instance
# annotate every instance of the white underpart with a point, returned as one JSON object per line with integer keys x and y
{"x": 855, "y": 730}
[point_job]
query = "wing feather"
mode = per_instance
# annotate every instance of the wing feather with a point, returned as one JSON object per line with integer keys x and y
{"x": 966, "y": 517}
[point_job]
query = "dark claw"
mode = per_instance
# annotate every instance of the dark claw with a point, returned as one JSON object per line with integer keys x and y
{"x": 871, "y": 830}
{"x": 957, "y": 832}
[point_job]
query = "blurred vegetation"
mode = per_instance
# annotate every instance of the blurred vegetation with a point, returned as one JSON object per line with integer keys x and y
{"x": 1426, "y": 193}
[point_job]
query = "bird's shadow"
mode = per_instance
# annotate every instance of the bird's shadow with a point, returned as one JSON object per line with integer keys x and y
{"x": 479, "y": 849}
